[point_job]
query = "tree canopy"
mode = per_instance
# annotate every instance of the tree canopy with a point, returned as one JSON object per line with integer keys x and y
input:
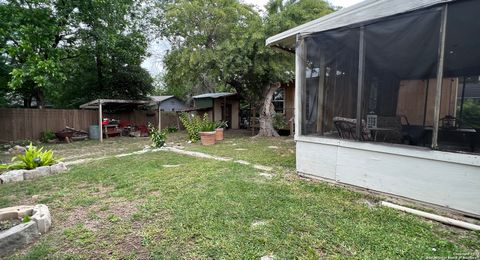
{"x": 68, "y": 52}
{"x": 220, "y": 45}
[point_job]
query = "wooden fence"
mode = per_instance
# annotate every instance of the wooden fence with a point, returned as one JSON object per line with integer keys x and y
{"x": 23, "y": 124}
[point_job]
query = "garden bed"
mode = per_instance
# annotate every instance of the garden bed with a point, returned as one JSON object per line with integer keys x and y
{"x": 21, "y": 175}
{"x": 22, "y": 225}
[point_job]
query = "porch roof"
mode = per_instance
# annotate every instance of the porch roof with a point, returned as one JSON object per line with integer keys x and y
{"x": 95, "y": 103}
{"x": 363, "y": 12}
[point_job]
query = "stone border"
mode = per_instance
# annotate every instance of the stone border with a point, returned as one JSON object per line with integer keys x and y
{"x": 21, "y": 175}
{"x": 23, "y": 234}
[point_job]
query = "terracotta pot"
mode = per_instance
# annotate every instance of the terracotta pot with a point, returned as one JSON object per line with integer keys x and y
{"x": 207, "y": 138}
{"x": 219, "y": 134}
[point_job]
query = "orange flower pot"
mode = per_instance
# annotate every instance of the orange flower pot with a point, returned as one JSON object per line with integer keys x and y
{"x": 207, "y": 138}
{"x": 219, "y": 134}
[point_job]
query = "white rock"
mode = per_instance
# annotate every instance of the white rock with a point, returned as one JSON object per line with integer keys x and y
{"x": 17, "y": 149}
{"x": 266, "y": 175}
{"x": 273, "y": 147}
{"x": 12, "y": 176}
{"x": 37, "y": 172}
{"x": 58, "y": 168}
{"x": 262, "y": 167}
{"x": 258, "y": 223}
{"x": 267, "y": 257}
{"x": 242, "y": 162}
{"x": 41, "y": 215}
{"x": 241, "y": 149}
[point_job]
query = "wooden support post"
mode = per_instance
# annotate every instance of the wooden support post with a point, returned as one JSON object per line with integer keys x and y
{"x": 300, "y": 93}
{"x": 252, "y": 120}
{"x": 159, "y": 118}
{"x": 224, "y": 114}
{"x": 438, "y": 91}
{"x": 100, "y": 119}
{"x": 426, "y": 102}
{"x": 321, "y": 94}
{"x": 361, "y": 74}
{"x": 462, "y": 101}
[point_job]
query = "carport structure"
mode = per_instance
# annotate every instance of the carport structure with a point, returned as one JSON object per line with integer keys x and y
{"x": 121, "y": 104}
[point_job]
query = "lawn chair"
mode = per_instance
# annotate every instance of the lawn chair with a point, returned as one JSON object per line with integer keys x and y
{"x": 346, "y": 128}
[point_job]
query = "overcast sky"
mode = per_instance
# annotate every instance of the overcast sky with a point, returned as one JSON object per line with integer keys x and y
{"x": 154, "y": 63}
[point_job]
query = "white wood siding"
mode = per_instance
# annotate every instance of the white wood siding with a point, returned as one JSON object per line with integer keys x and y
{"x": 453, "y": 183}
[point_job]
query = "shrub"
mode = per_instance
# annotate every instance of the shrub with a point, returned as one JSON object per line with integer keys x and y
{"x": 279, "y": 121}
{"x": 171, "y": 129}
{"x": 192, "y": 125}
{"x": 47, "y": 136}
{"x": 34, "y": 157}
{"x": 157, "y": 136}
{"x": 207, "y": 125}
{"x": 221, "y": 124}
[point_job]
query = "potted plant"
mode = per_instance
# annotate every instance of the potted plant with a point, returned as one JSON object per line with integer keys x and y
{"x": 220, "y": 126}
{"x": 207, "y": 131}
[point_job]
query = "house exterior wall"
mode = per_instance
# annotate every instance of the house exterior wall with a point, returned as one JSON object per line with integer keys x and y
{"x": 203, "y": 103}
{"x": 217, "y": 109}
{"x": 445, "y": 179}
{"x": 172, "y": 104}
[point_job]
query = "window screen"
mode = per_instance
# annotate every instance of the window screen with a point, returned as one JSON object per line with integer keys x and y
{"x": 331, "y": 81}
{"x": 401, "y": 61}
{"x": 459, "y": 126}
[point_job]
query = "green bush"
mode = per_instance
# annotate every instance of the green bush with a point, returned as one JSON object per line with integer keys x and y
{"x": 207, "y": 125}
{"x": 157, "y": 136}
{"x": 47, "y": 136}
{"x": 34, "y": 157}
{"x": 221, "y": 124}
{"x": 279, "y": 121}
{"x": 193, "y": 126}
{"x": 471, "y": 113}
{"x": 171, "y": 129}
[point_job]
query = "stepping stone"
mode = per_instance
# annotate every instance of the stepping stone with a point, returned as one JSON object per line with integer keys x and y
{"x": 171, "y": 165}
{"x": 258, "y": 223}
{"x": 242, "y": 162}
{"x": 241, "y": 149}
{"x": 273, "y": 147}
{"x": 263, "y": 167}
{"x": 267, "y": 175}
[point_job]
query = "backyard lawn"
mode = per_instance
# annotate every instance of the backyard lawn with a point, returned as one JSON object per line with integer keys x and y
{"x": 167, "y": 205}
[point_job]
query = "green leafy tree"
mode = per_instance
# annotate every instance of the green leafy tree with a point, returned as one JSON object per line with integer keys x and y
{"x": 220, "y": 46}
{"x": 75, "y": 50}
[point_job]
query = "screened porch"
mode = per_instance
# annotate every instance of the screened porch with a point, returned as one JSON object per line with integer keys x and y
{"x": 405, "y": 79}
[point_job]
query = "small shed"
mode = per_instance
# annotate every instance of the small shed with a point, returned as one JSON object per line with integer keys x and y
{"x": 220, "y": 107}
{"x": 169, "y": 103}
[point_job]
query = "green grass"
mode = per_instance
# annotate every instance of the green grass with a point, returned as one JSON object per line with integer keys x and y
{"x": 241, "y": 146}
{"x": 133, "y": 207}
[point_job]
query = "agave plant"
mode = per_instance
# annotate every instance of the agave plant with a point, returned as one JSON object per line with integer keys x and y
{"x": 34, "y": 157}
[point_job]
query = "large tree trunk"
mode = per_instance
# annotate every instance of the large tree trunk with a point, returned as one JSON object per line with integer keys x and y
{"x": 267, "y": 112}
{"x": 40, "y": 98}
